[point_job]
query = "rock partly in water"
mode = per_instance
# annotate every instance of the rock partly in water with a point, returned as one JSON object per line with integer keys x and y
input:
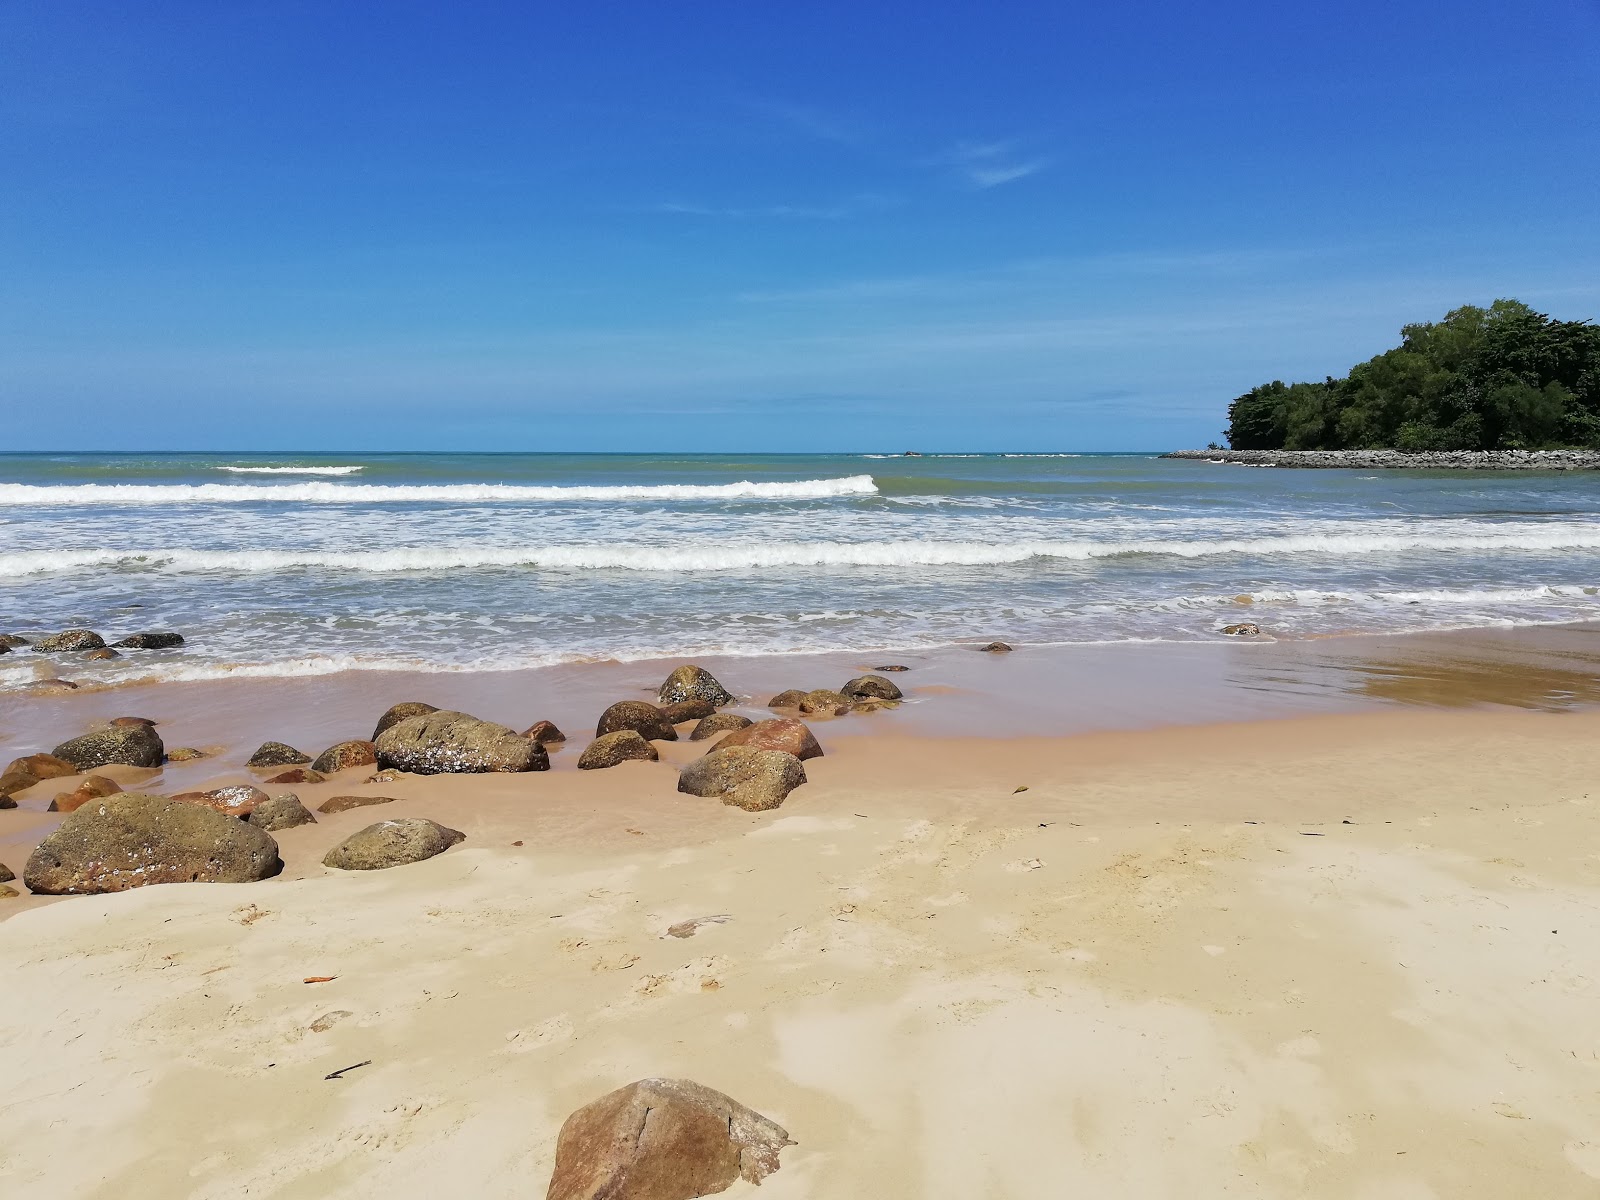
{"x": 126, "y": 722}
{"x": 104, "y": 654}
{"x": 663, "y": 1139}
{"x": 1243, "y": 630}
{"x": 680, "y": 711}
{"x": 183, "y": 754}
{"x": 341, "y": 804}
{"x": 392, "y": 844}
{"x": 780, "y": 733}
{"x": 150, "y": 641}
{"x": 694, "y": 683}
{"x": 995, "y": 648}
{"x": 236, "y": 800}
{"x": 95, "y": 787}
{"x": 134, "y": 840}
{"x": 298, "y": 775}
{"x": 870, "y": 687}
{"x": 544, "y": 733}
{"x": 70, "y": 640}
{"x": 609, "y": 749}
{"x": 42, "y": 766}
{"x": 892, "y": 668}
{"x": 283, "y": 811}
{"x": 276, "y": 754}
{"x": 823, "y": 702}
{"x": 444, "y": 742}
{"x": 787, "y": 699}
{"x": 745, "y": 777}
{"x": 11, "y": 640}
{"x": 345, "y": 754}
{"x": 130, "y": 745}
{"x": 718, "y": 723}
{"x": 401, "y": 712}
{"x": 641, "y": 716}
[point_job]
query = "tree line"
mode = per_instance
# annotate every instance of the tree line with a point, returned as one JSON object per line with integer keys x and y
{"x": 1498, "y": 378}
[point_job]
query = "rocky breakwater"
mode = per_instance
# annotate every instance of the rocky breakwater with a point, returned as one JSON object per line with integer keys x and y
{"x": 1434, "y": 460}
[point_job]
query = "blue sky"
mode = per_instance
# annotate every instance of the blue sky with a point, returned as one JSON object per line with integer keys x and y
{"x": 736, "y": 226}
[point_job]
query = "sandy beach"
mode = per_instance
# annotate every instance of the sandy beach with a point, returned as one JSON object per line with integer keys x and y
{"x": 1336, "y": 954}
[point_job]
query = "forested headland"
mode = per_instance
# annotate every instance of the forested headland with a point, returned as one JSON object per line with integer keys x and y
{"x": 1498, "y": 378}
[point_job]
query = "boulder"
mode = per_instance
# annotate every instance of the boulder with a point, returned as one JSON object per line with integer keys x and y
{"x": 283, "y": 811}
{"x": 893, "y": 667}
{"x": 277, "y": 754}
{"x": 341, "y": 804}
{"x": 150, "y": 641}
{"x": 237, "y": 800}
{"x": 744, "y": 777}
{"x": 995, "y": 648}
{"x": 11, "y": 640}
{"x": 1244, "y": 630}
{"x": 641, "y": 716}
{"x": 95, "y": 787}
{"x": 4, "y": 649}
{"x": 399, "y": 712}
{"x": 131, "y": 745}
{"x": 392, "y": 844}
{"x": 180, "y": 754}
{"x": 870, "y": 687}
{"x": 788, "y": 699}
{"x": 42, "y": 766}
{"x": 70, "y": 639}
{"x": 104, "y": 654}
{"x": 6, "y": 800}
{"x": 299, "y": 775}
{"x": 663, "y": 1139}
{"x": 680, "y": 711}
{"x": 544, "y": 733}
{"x": 694, "y": 683}
{"x": 443, "y": 742}
{"x": 345, "y": 754}
{"x": 717, "y": 723}
{"x": 134, "y": 840}
{"x": 609, "y": 749}
{"x": 125, "y": 722}
{"x": 779, "y": 733}
{"x": 5, "y": 874}
{"x": 824, "y": 703}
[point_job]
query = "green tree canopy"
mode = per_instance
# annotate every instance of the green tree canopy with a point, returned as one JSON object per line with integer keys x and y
{"x": 1498, "y": 378}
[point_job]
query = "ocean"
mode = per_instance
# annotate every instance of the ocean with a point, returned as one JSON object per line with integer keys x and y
{"x": 293, "y": 564}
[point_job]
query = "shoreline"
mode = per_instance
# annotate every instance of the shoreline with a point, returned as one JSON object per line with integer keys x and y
{"x": 1432, "y": 460}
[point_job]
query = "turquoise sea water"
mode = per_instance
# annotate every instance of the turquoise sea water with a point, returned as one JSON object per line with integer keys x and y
{"x": 304, "y": 564}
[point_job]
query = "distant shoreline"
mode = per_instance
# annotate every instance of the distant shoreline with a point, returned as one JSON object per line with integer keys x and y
{"x": 1437, "y": 460}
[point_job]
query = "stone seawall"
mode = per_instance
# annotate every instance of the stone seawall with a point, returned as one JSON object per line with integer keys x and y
{"x": 1437, "y": 460}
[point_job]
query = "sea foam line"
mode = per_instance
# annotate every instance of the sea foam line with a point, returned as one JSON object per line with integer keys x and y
{"x": 292, "y": 470}
{"x": 456, "y": 493}
{"x": 702, "y": 556}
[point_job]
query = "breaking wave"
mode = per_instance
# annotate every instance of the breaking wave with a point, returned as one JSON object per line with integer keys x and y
{"x": 292, "y": 470}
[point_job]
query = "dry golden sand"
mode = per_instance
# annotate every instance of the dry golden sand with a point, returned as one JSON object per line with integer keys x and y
{"x": 1167, "y": 969}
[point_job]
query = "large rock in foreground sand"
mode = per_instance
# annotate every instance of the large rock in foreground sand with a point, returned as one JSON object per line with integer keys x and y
{"x": 444, "y": 742}
{"x": 747, "y": 778}
{"x": 662, "y": 1139}
{"x": 644, "y": 718}
{"x": 133, "y": 746}
{"x": 611, "y": 749}
{"x": 694, "y": 683}
{"x": 392, "y": 844}
{"x": 134, "y": 839}
{"x": 345, "y": 755}
{"x": 779, "y": 733}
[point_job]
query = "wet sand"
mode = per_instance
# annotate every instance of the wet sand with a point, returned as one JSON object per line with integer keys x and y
{"x": 1342, "y": 954}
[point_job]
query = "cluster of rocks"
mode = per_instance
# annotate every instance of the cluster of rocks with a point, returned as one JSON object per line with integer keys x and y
{"x": 89, "y": 644}
{"x": 1435, "y": 460}
{"x": 865, "y": 693}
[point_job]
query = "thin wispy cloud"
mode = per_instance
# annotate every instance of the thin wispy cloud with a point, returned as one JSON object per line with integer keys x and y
{"x": 986, "y": 165}
{"x": 816, "y": 123}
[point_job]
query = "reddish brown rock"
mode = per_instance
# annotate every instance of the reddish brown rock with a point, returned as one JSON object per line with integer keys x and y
{"x": 544, "y": 733}
{"x": 779, "y": 733}
{"x": 125, "y": 722}
{"x": 42, "y": 766}
{"x": 662, "y": 1139}
{"x": 345, "y": 754}
{"x": 92, "y": 788}
{"x": 237, "y": 800}
{"x": 299, "y": 775}
{"x": 341, "y": 804}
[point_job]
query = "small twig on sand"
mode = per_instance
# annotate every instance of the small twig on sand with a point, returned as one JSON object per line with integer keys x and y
{"x": 352, "y": 1067}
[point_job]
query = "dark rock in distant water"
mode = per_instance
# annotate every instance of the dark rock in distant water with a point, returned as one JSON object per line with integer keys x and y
{"x": 544, "y": 733}
{"x": 870, "y": 687}
{"x": 717, "y": 723}
{"x": 70, "y": 639}
{"x": 609, "y": 749}
{"x": 399, "y": 712}
{"x": 743, "y": 776}
{"x": 694, "y": 683}
{"x": 1434, "y": 460}
{"x": 680, "y": 711}
{"x": 345, "y": 754}
{"x": 341, "y": 804}
{"x": 150, "y": 641}
{"x": 780, "y": 733}
{"x": 135, "y": 840}
{"x": 639, "y": 715}
{"x": 996, "y": 648}
{"x": 283, "y": 811}
{"x": 277, "y": 754}
{"x": 392, "y": 844}
{"x": 1244, "y": 630}
{"x": 449, "y": 743}
{"x": 133, "y": 746}
{"x": 662, "y": 1139}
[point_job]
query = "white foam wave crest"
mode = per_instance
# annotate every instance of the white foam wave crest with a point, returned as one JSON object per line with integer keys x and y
{"x": 464, "y": 493}
{"x": 292, "y": 470}
{"x": 701, "y": 556}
